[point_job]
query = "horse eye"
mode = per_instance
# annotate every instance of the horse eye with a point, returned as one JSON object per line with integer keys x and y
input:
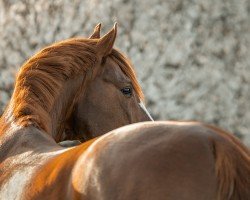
{"x": 127, "y": 91}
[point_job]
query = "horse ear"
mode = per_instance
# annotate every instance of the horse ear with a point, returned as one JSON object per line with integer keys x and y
{"x": 106, "y": 43}
{"x": 96, "y": 32}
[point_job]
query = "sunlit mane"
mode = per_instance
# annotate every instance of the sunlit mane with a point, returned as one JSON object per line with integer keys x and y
{"x": 41, "y": 78}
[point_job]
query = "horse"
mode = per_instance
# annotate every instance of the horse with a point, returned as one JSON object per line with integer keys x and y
{"x": 143, "y": 161}
{"x": 76, "y": 89}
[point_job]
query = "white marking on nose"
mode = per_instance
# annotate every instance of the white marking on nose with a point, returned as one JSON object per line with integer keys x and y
{"x": 145, "y": 110}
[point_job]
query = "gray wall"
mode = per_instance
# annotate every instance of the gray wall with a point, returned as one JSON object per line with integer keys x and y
{"x": 191, "y": 57}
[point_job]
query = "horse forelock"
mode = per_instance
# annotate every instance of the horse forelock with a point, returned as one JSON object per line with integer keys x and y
{"x": 126, "y": 66}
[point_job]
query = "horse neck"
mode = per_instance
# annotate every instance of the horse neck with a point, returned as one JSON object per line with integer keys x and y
{"x": 53, "y": 120}
{"x": 64, "y": 105}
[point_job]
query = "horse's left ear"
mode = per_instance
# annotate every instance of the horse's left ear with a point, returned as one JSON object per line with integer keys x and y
{"x": 106, "y": 43}
{"x": 96, "y": 32}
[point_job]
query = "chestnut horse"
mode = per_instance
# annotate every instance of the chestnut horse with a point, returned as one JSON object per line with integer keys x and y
{"x": 74, "y": 89}
{"x": 143, "y": 161}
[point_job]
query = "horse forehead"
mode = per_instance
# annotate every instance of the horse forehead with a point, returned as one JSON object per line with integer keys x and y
{"x": 113, "y": 73}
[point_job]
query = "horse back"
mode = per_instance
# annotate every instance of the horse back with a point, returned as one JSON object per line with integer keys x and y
{"x": 166, "y": 160}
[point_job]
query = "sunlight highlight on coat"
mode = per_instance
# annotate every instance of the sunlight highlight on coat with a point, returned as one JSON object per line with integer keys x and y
{"x": 89, "y": 177}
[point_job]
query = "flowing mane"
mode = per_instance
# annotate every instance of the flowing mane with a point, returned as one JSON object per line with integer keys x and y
{"x": 41, "y": 78}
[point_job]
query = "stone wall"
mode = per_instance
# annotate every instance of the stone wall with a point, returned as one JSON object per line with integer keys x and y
{"x": 192, "y": 57}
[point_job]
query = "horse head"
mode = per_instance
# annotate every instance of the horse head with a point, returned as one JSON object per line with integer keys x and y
{"x": 112, "y": 96}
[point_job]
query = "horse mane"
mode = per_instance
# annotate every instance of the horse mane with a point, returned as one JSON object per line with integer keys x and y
{"x": 232, "y": 165}
{"x": 42, "y": 77}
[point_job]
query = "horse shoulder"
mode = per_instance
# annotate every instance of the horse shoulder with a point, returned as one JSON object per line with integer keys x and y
{"x": 53, "y": 180}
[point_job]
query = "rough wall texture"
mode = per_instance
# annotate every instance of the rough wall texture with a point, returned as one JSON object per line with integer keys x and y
{"x": 192, "y": 57}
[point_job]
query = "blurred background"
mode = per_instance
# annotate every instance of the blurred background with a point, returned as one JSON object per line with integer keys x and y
{"x": 192, "y": 58}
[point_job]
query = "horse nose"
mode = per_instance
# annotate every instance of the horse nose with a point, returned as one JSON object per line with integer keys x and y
{"x": 142, "y": 106}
